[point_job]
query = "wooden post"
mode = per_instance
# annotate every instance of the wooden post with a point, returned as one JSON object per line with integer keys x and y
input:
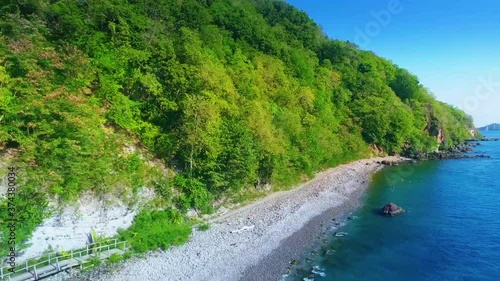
{"x": 49, "y": 258}
{"x": 1, "y": 272}
{"x": 57, "y": 263}
{"x": 87, "y": 249}
{"x": 36, "y": 274}
{"x": 71, "y": 253}
{"x": 116, "y": 242}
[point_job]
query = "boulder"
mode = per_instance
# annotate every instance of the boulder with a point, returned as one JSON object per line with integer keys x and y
{"x": 389, "y": 163}
{"x": 392, "y": 209}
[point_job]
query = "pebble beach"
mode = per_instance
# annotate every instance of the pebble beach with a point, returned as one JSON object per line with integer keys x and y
{"x": 257, "y": 241}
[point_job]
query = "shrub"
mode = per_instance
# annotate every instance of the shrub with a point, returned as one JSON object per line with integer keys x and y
{"x": 195, "y": 195}
{"x": 204, "y": 227}
{"x": 156, "y": 229}
{"x": 94, "y": 261}
{"x": 115, "y": 258}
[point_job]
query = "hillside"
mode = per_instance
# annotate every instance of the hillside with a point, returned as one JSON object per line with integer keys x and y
{"x": 233, "y": 96}
{"x": 491, "y": 127}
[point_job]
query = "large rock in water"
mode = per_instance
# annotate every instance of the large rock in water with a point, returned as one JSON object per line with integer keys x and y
{"x": 392, "y": 209}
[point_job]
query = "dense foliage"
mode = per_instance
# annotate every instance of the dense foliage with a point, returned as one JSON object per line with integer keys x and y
{"x": 232, "y": 94}
{"x": 156, "y": 230}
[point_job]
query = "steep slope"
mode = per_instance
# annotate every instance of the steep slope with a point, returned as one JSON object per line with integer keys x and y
{"x": 232, "y": 95}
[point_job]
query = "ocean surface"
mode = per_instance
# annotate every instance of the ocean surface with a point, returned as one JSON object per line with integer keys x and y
{"x": 451, "y": 230}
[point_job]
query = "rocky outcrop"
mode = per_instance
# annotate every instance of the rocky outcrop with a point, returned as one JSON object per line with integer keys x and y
{"x": 483, "y": 139}
{"x": 435, "y": 129}
{"x": 392, "y": 209}
{"x": 460, "y": 151}
{"x": 388, "y": 163}
{"x": 440, "y": 136}
{"x": 442, "y": 155}
{"x": 68, "y": 229}
{"x": 396, "y": 161}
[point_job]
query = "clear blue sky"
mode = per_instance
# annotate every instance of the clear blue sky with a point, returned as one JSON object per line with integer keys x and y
{"x": 452, "y": 46}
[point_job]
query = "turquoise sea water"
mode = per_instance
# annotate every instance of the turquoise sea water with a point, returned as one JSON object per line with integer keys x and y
{"x": 451, "y": 230}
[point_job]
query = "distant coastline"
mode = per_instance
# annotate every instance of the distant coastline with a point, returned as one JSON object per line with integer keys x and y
{"x": 491, "y": 127}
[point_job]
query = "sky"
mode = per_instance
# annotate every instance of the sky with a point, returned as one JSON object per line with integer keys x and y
{"x": 452, "y": 46}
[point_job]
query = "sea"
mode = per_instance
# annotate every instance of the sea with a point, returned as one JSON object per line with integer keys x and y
{"x": 450, "y": 231}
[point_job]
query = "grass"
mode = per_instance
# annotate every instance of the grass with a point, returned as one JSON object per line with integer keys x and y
{"x": 115, "y": 258}
{"x": 204, "y": 227}
{"x": 248, "y": 195}
{"x": 153, "y": 230}
{"x": 92, "y": 262}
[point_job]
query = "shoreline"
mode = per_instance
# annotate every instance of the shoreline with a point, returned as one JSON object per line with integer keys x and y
{"x": 258, "y": 241}
{"x": 297, "y": 246}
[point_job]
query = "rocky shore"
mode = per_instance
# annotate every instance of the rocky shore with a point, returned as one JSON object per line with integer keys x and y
{"x": 460, "y": 151}
{"x": 483, "y": 139}
{"x": 258, "y": 241}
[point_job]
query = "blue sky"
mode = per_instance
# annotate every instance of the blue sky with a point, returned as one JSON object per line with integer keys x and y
{"x": 452, "y": 46}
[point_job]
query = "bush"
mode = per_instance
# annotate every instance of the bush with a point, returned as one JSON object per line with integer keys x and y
{"x": 195, "y": 195}
{"x": 115, "y": 258}
{"x": 156, "y": 229}
{"x": 94, "y": 261}
{"x": 204, "y": 227}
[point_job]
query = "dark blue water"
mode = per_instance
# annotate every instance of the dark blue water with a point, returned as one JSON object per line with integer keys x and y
{"x": 451, "y": 230}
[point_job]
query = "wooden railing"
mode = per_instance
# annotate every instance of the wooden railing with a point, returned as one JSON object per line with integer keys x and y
{"x": 55, "y": 258}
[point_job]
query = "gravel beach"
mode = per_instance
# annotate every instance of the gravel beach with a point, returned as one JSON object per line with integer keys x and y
{"x": 258, "y": 241}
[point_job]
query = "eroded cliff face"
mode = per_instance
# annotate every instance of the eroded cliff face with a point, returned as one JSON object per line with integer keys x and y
{"x": 474, "y": 132}
{"x": 69, "y": 227}
{"x": 440, "y": 136}
{"x": 434, "y": 129}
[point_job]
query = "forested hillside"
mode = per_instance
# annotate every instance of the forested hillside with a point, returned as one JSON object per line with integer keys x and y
{"x": 230, "y": 94}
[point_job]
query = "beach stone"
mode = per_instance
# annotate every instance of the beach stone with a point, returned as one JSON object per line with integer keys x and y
{"x": 389, "y": 163}
{"x": 392, "y": 209}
